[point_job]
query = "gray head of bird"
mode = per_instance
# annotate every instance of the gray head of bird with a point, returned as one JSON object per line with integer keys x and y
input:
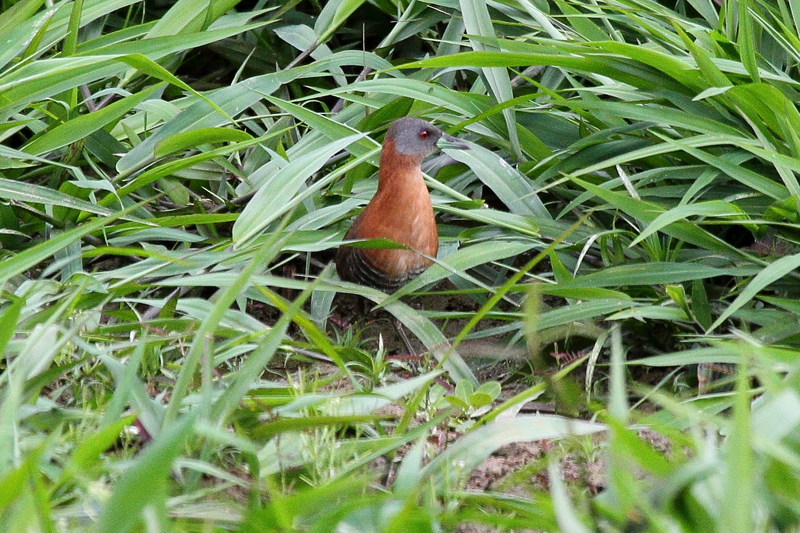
{"x": 417, "y": 138}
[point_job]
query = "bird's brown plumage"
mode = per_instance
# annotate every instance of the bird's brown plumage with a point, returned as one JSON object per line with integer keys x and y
{"x": 401, "y": 210}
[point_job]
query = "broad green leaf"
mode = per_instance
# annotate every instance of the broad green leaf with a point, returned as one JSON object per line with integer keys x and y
{"x": 584, "y": 26}
{"x": 746, "y": 40}
{"x": 159, "y": 47}
{"x": 651, "y": 274}
{"x": 770, "y": 274}
{"x": 334, "y": 14}
{"x": 18, "y": 13}
{"x": 652, "y": 312}
{"x": 273, "y": 198}
{"x": 594, "y": 64}
{"x": 525, "y": 225}
{"x": 737, "y": 477}
{"x": 144, "y": 481}
{"x": 689, "y": 357}
{"x": 29, "y": 33}
{"x": 716, "y": 208}
{"x": 190, "y": 16}
{"x": 47, "y": 78}
{"x": 8, "y": 322}
{"x": 71, "y": 39}
{"x": 432, "y": 93}
{"x": 408, "y": 472}
{"x": 461, "y": 260}
{"x": 708, "y": 11}
{"x": 37, "y": 194}
{"x": 584, "y": 293}
{"x": 581, "y": 311}
{"x": 510, "y": 186}
{"x": 784, "y": 303}
{"x": 92, "y": 11}
{"x": 80, "y": 127}
{"x": 194, "y": 138}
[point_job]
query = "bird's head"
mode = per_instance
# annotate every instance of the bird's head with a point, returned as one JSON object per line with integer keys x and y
{"x": 417, "y": 138}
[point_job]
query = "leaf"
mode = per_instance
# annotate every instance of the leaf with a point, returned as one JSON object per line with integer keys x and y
{"x": 44, "y": 30}
{"x": 13, "y": 483}
{"x": 190, "y": 16}
{"x": 461, "y": 260}
{"x": 18, "y": 13}
{"x": 770, "y": 274}
{"x": 80, "y": 127}
{"x": 89, "y": 452}
{"x": 645, "y": 274}
{"x": 455, "y": 401}
{"x": 478, "y": 22}
{"x": 274, "y": 197}
{"x": 8, "y": 322}
{"x": 580, "y": 311}
{"x": 714, "y": 208}
{"x": 147, "y": 66}
{"x": 693, "y": 356}
{"x": 525, "y": 225}
{"x": 194, "y": 138}
{"x": 334, "y": 14}
{"x": 47, "y": 78}
{"x": 145, "y": 480}
{"x": 432, "y": 93}
{"x": 479, "y": 399}
{"x": 405, "y": 482}
{"x": 739, "y": 468}
{"x": 510, "y": 186}
{"x": 425, "y": 330}
{"x": 566, "y": 516}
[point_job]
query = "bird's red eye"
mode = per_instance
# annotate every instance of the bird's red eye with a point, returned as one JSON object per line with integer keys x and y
{"x": 423, "y": 134}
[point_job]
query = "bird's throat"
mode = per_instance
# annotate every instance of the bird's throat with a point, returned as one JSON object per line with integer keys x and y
{"x": 401, "y": 209}
{"x": 398, "y": 171}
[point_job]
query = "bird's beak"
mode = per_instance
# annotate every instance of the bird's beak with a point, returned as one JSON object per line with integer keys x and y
{"x": 448, "y": 141}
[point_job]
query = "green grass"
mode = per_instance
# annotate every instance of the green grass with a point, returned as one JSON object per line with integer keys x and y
{"x": 630, "y": 203}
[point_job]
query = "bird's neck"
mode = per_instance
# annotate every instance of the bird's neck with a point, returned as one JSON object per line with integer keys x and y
{"x": 398, "y": 172}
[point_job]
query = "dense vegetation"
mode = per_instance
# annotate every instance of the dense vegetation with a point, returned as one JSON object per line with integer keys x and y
{"x": 175, "y": 175}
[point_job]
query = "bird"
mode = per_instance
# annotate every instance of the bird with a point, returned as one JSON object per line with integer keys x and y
{"x": 401, "y": 211}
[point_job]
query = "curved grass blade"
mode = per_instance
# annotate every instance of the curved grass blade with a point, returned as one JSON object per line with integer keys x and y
{"x": 770, "y": 274}
{"x": 145, "y": 481}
